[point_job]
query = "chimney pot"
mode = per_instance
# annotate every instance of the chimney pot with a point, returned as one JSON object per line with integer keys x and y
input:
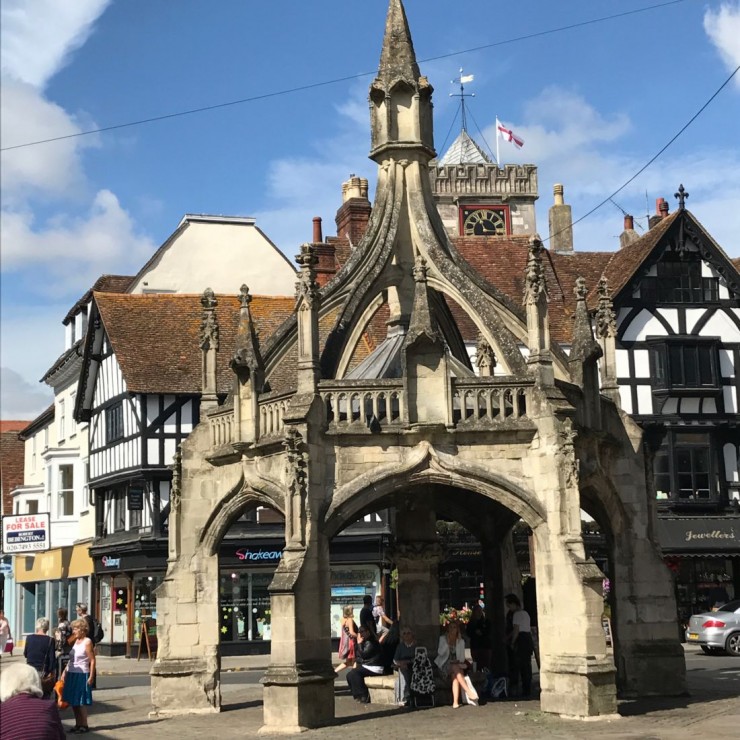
{"x": 629, "y": 222}
{"x": 558, "y": 191}
{"x": 664, "y": 208}
{"x": 317, "y": 235}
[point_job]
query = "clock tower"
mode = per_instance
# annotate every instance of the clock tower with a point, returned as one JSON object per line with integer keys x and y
{"x": 475, "y": 196}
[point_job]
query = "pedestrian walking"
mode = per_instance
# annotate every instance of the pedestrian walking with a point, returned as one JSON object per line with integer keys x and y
{"x": 79, "y": 676}
{"x": 6, "y": 637}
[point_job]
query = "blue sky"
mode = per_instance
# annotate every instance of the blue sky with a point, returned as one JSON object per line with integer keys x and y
{"x": 593, "y": 105}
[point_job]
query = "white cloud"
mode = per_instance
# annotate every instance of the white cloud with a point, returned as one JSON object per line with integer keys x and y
{"x": 723, "y": 28}
{"x": 52, "y": 169}
{"x": 37, "y": 36}
{"x": 75, "y": 250}
{"x": 20, "y": 399}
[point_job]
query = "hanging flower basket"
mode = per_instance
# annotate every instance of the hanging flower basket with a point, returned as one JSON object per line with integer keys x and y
{"x": 450, "y": 614}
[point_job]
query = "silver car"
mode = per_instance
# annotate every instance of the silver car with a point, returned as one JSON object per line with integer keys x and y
{"x": 717, "y": 631}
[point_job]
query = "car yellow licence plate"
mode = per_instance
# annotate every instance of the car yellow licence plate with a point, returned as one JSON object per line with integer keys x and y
{"x": 693, "y": 636}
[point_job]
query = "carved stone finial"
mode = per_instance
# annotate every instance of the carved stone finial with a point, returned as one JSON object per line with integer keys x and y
{"x": 307, "y": 287}
{"x": 244, "y": 297}
{"x": 534, "y": 279}
{"x": 682, "y": 195}
{"x": 484, "y": 355}
{"x": 420, "y": 269}
{"x": 605, "y": 319}
{"x": 580, "y": 289}
{"x": 209, "y": 324}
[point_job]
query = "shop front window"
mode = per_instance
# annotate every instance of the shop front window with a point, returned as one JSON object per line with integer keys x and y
{"x": 349, "y": 584}
{"x": 145, "y": 605}
{"x": 245, "y": 605}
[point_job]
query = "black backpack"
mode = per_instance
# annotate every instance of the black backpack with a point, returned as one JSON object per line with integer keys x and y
{"x": 98, "y": 633}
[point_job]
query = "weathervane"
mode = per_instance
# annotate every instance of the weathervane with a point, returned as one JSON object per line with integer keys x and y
{"x": 461, "y": 80}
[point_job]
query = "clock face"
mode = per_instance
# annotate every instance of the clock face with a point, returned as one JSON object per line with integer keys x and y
{"x": 483, "y": 222}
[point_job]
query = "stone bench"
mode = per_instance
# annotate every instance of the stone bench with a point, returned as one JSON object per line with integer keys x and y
{"x": 381, "y": 688}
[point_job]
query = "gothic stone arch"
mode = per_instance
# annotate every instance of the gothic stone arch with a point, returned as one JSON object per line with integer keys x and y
{"x": 298, "y": 431}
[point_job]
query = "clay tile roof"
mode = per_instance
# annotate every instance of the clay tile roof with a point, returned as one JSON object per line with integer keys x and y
{"x": 104, "y": 284}
{"x": 502, "y": 262}
{"x": 156, "y": 337}
{"x": 12, "y": 426}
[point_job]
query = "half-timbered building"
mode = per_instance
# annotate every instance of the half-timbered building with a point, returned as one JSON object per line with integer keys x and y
{"x": 677, "y": 296}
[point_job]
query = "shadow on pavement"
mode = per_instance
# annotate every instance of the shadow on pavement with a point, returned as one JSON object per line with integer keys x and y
{"x": 233, "y": 706}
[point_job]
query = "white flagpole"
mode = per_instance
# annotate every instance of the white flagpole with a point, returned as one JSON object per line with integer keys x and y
{"x": 498, "y": 136}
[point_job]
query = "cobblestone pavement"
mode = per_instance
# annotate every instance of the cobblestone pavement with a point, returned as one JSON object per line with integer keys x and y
{"x": 712, "y": 711}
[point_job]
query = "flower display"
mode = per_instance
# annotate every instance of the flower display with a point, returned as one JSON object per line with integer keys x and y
{"x": 450, "y": 614}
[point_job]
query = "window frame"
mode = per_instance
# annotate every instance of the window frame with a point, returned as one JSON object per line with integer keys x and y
{"x": 676, "y": 444}
{"x": 65, "y": 495}
{"x": 662, "y": 365}
{"x": 114, "y": 427}
{"x": 680, "y": 282}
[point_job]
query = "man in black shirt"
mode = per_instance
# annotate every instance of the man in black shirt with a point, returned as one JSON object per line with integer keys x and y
{"x": 82, "y": 614}
{"x": 367, "y": 619}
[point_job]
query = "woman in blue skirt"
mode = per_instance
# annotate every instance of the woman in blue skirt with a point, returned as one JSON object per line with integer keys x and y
{"x": 79, "y": 676}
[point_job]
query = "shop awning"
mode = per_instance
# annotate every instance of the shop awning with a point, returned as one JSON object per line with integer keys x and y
{"x": 700, "y": 535}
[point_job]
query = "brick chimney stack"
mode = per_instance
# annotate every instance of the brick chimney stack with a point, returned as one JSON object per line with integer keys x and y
{"x": 561, "y": 223}
{"x": 354, "y": 213}
{"x": 317, "y": 235}
{"x": 629, "y": 234}
{"x": 661, "y": 212}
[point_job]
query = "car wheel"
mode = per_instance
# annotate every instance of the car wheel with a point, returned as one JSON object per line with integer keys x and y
{"x": 732, "y": 646}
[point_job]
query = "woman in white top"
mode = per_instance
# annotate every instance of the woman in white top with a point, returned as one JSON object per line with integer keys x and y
{"x": 451, "y": 662}
{"x": 79, "y": 676}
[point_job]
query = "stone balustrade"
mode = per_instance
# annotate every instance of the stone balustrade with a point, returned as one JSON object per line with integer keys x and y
{"x": 272, "y": 411}
{"x": 489, "y": 401}
{"x": 221, "y": 423}
{"x": 370, "y": 404}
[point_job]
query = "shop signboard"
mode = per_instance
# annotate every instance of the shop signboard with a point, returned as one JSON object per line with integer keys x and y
{"x": 136, "y": 498}
{"x": 26, "y": 533}
{"x": 699, "y": 533}
{"x": 259, "y": 554}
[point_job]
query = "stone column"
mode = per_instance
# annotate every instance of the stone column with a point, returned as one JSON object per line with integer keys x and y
{"x": 299, "y": 682}
{"x": 650, "y": 659}
{"x": 417, "y": 556}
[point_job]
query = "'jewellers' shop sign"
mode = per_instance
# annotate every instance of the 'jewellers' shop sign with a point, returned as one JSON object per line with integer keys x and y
{"x": 26, "y": 533}
{"x": 699, "y": 533}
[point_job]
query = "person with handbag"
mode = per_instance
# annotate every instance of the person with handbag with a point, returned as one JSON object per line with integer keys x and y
{"x": 6, "y": 638}
{"x": 347, "y": 639}
{"x": 79, "y": 676}
{"x": 40, "y": 653}
{"x": 452, "y": 664}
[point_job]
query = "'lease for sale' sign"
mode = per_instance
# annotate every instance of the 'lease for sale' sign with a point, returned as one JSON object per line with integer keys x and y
{"x": 26, "y": 533}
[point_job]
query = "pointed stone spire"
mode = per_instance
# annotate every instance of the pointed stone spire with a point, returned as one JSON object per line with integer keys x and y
{"x": 209, "y": 346}
{"x": 400, "y": 97}
{"x": 397, "y": 59}
{"x": 247, "y": 360}
{"x": 584, "y": 348}
{"x": 422, "y": 321}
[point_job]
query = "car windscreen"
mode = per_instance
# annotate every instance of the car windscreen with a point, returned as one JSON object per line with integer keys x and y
{"x": 730, "y": 606}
